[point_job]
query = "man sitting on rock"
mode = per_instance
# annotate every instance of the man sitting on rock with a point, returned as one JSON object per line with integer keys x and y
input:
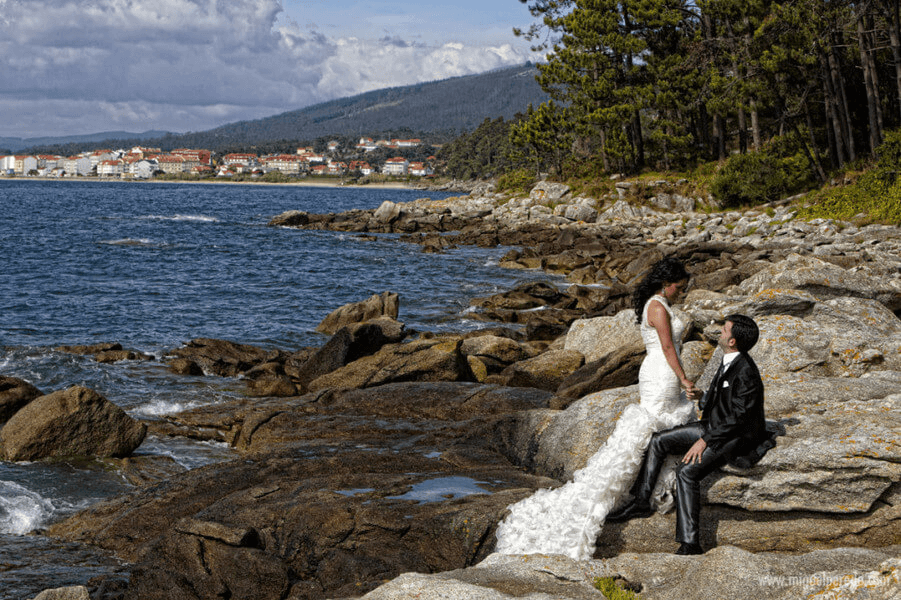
{"x": 731, "y": 426}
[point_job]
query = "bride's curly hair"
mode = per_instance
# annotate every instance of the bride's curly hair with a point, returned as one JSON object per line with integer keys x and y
{"x": 668, "y": 270}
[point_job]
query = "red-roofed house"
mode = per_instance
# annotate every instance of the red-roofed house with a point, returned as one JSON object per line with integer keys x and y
{"x": 194, "y": 157}
{"x": 420, "y": 169}
{"x": 396, "y": 166}
{"x": 110, "y": 168}
{"x": 289, "y": 164}
{"x": 169, "y": 163}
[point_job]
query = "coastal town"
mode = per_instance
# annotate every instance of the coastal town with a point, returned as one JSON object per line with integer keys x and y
{"x": 146, "y": 163}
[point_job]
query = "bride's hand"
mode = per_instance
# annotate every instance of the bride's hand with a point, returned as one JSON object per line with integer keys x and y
{"x": 691, "y": 391}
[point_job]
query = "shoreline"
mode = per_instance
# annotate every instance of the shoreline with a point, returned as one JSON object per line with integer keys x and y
{"x": 305, "y": 183}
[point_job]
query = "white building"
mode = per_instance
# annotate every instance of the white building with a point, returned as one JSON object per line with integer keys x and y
{"x": 367, "y": 145}
{"x": 110, "y": 168}
{"x": 289, "y": 164}
{"x": 21, "y": 165}
{"x": 170, "y": 163}
{"x": 76, "y": 166}
{"x": 396, "y": 166}
{"x": 141, "y": 168}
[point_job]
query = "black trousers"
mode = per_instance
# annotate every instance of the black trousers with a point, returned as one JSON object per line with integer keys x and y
{"x": 688, "y": 477}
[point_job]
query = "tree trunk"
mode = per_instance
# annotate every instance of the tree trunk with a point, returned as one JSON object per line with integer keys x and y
{"x": 871, "y": 84}
{"x": 637, "y": 139}
{"x": 755, "y": 125}
{"x": 703, "y": 129}
{"x": 833, "y": 127}
{"x": 817, "y": 159}
{"x": 834, "y": 106}
{"x": 604, "y": 157}
{"x": 844, "y": 111}
{"x": 891, "y": 9}
{"x": 719, "y": 136}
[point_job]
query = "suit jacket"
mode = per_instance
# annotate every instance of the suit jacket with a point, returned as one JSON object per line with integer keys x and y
{"x": 733, "y": 407}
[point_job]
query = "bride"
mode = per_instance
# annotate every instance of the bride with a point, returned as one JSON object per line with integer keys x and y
{"x": 567, "y": 520}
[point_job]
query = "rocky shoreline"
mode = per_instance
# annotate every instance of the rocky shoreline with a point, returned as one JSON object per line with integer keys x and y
{"x": 379, "y": 464}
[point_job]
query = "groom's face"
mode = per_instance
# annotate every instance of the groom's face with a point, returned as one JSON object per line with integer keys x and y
{"x": 726, "y": 341}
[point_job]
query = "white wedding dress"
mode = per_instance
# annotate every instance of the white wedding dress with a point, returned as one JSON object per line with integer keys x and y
{"x": 566, "y": 520}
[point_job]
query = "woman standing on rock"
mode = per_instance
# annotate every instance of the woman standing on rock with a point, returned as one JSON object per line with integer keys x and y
{"x": 567, "y": 520}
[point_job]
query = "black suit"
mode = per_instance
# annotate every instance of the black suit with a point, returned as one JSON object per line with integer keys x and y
{"x": 732, "y": 424}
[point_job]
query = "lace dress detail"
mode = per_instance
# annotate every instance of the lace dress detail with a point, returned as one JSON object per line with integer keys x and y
{"x": 566, "y": 520}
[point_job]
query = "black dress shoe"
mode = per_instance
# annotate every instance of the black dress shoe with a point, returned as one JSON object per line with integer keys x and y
{"x": 632, "y": 510}
{"x": 689, "y": 549}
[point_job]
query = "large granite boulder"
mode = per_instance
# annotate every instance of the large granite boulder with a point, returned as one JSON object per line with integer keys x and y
{"x": 602, "y": 336}
{"x": 15, "y": 393}
{"x": 72, "y": 422}
{"x": 220, "y": 357}
{"x": 436, "y": 359}
{"x": 547, "y": 371}
{"x": 839, "y": 336}
{"x": 617, "y": 369}
{"x": 724, "y": 572}
{"x": 348, "y": 344}
{"x": 385, "y": 304}
{"x": 824, "y": 280}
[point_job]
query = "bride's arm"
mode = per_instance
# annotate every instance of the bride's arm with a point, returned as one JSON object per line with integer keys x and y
{"x": 659, "y": 319}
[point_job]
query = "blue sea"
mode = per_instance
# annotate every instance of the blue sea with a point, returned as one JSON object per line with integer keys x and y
{"x": 154, "y": 265}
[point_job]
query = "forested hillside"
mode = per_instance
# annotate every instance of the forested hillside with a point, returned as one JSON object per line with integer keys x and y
{"x": 439, "y": 111}
{"x": 791, "y": 91}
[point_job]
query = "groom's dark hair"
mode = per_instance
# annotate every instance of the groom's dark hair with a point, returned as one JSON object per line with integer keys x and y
{"x": 745, "y": 332}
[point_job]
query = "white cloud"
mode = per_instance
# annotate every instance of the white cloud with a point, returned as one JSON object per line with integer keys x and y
{"x": 80, "y": 66}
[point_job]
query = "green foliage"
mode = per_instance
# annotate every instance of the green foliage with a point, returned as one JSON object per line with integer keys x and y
{"x": 518, "y": 181}
{"x": 888, "y": 156}
{"x": 779, "y": 170}
{"x": 486, "y": 152}
{"x": 610, "y": 587}
{"x": 543, "y": 137}
{"x": 875, "y": 196}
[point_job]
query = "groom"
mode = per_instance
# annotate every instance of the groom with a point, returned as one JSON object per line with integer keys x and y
{"x": 731, "y": 425}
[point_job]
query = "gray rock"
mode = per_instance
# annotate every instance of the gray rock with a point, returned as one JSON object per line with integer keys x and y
{"x": 545, "y": 371}
{"x": 546, "y": 191}
{"x": 388, "y": 212}
{"x": 78, "y": 592}
{"x": 349, "y": 343}
{"x": 723, "y": 572}
{"x": 291, "y": 218}
{"x": 385, "y": 304}
{"x": 842, "y": 460}
{"x": 600, "y": 336}
{"x": 495, "y": 347}
{"x": 14, "y": 394}
{"x": 558, "y": 443}
{"x": 824, "y": 280}
{"x": 72, "y": 422}
{"x": 580, "y": 212}
{"x": 418, "y": 360}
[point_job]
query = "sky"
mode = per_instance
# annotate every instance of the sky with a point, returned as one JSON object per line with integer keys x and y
{"x": 73, "y": 67}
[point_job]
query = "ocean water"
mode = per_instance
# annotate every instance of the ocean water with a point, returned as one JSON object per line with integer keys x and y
{"x": 154, "y": 265}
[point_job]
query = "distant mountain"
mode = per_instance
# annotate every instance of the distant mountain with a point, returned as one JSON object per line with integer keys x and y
{"x": 15, "y": 144}
{"x": 449, "y": 107}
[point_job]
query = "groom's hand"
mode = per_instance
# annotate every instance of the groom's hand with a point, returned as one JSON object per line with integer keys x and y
{"x": 694, "y": 453}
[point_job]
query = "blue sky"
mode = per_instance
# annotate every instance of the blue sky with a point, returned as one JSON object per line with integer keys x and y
{"x": 83, "y": 66}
